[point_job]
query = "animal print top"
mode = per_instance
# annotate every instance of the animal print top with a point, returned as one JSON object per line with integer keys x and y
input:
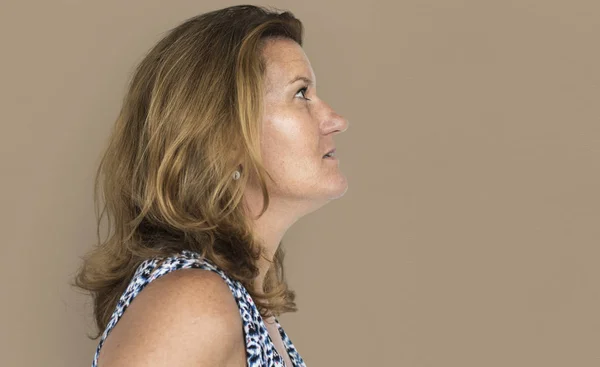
{"x": 260, "y": 350}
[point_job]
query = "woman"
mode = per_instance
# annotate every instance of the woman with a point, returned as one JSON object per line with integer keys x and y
{"x": 221, "y": 145}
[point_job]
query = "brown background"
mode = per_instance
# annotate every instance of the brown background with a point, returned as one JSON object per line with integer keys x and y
{"x": 469, "y": 234}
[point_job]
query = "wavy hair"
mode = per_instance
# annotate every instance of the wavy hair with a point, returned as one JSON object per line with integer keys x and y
{"x": 191, "y": 116}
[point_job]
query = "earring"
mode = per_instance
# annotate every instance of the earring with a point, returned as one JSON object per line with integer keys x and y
{"x": 236, "y": 175}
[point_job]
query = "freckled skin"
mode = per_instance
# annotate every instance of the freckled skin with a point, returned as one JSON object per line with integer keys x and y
{"x": 295, "y": 135}
{"x": 297, "y": 132}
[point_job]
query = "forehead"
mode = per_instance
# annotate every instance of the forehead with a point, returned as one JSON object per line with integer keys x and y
{"x": 284, "y": 60}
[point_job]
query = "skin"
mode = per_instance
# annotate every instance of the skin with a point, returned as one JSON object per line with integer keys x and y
{"x": 185, "y": 318}
{"x": 296, "y": 133}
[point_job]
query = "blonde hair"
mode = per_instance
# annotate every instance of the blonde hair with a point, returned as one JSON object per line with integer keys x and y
{"x": 191, "y": 116}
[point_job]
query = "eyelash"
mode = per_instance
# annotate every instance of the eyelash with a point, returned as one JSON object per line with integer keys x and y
{"x": 304, "y": 90}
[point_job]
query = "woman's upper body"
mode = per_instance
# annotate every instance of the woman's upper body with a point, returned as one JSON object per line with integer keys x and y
{"x": 188, "y": 317}
{"x": 221, "y": 144}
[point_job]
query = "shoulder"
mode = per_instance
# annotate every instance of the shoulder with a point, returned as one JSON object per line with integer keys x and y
{"x": 186, "y": 317}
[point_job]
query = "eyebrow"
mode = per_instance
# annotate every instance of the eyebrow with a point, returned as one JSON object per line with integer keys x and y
{"x": 303, "y": 78}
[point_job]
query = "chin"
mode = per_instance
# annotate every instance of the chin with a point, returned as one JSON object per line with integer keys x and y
{"x": 341, "y": 193}
{"x": 338, "y": 188}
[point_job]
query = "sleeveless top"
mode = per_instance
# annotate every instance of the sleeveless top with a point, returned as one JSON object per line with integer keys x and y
{"x": 260, "y": 350}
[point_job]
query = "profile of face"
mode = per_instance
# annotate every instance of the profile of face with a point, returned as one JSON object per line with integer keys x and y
{"x": 298, "y": 130}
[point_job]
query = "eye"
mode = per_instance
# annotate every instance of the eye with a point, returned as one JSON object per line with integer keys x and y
{"x": 303, "y": 91}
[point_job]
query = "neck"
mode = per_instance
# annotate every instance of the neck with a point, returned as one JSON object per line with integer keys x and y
{"x": 270, "y": 228}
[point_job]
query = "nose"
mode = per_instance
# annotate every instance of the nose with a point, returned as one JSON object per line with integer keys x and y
{"x": 342, "y": 123}
{"x": 335, "y": 122}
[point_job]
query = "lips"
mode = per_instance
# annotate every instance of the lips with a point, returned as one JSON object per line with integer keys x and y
{"x": 329, "y": 152}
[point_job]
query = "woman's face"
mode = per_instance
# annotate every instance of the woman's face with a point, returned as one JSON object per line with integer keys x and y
{"x": 298, "y": 128}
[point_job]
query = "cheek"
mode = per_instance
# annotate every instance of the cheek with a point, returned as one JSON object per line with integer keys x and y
{"x": 288, "y": 135}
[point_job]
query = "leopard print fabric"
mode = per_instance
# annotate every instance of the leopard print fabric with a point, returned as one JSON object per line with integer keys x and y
{"x": 260, "y": 350}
